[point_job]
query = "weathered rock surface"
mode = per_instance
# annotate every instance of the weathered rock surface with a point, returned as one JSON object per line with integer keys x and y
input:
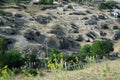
{"x": 53, "y": 27}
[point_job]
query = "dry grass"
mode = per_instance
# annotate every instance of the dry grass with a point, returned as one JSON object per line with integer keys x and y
{"x": 108, "y": 70}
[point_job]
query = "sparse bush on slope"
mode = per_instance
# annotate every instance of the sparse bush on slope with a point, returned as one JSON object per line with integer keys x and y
{"x": 13, "y": 59}
{"x": 101, "y": 48}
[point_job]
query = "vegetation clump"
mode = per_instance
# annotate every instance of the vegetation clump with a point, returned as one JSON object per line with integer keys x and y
{"x": 107, "y": 5}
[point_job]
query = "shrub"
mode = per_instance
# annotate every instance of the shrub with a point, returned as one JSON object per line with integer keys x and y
{"x": 13, "y": 59}
{"x": 46, "y": 1}
{"x": 70, "y": 7}
{"x": 33, "y": 72}
{"x": 86, "y": 49}
{"x": 55, "y": 54}
{"x": 3, "y": 2}
{"x": 106, "y": 5}
{"x": 100, "y": 48}
{"x": 2, "y": 13}
{"x": 2, "y": 44}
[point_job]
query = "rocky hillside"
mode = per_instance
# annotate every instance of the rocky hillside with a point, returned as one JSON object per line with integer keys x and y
{"x": 41, "y": 28}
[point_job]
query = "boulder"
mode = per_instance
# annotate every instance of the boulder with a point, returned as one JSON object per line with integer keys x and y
{"x": 78, "y": 38}
{"x": 53, "y": 42}
{"x": 116, "y": 35}
{"x": 19, "y": 22}
{"x": 66, "y": 43}
{"x": 102, "y": 16}
{"x": 43, "y": 19}
{"x": 89, "y": 11}
{"x": 3, "y": 22}
{"x": 78, "y": 13}
{"x": 8, "y": 31}
{"x": 91, "y": 35}
{"x": 73, "y": 31}
{"x": 74, "y": 26}
{"x": 115, "y": 27}
{"x": 18, "y": 15}
{"x": 85, "y": 18}
{"x": 34, "y": 35}
{"x": 87, "y": 39}
{"x": 117, "y": 6}
{"x": 94, "y": 17}
{"x": 104, "y": 26}
{"x": 58, "y": 31}
{"x": 91, "y": 22}
{"x": 10, "y": 43}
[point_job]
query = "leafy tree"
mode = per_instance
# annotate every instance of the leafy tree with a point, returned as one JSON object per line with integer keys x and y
{"x": 100, "y": 48}
{"x": 13, "y": 59}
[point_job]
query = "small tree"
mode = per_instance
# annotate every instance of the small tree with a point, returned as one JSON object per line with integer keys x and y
{"x": 100, "y": 48}
{"x": 13, "y": 59}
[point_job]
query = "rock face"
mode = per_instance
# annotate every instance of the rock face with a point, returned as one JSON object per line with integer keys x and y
{"x": 51, "y": 26}
{"x": 34, "y": 35}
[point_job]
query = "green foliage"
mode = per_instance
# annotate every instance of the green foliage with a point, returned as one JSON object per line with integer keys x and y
{"x": 33, "y": 72}
{"x": 71, "y": 59}
{"x": 2, "y": 49}
{"x": 70, "y": 7}
{"x": 46, "y": 1}
{"x": 13, "y": 59}
{"x": 2, "y": 44}
{"x": 86, "y": 49}
{"x": 73, "y": 0}
{"x": 2, "y": 13}
{"x": 101, "y": 48}
{"x": 106, "y": 5}
{"x": 3, "y": 2}
{"x": 55, "y": 54}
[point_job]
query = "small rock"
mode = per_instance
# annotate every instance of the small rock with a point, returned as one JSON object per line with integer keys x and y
{"x": 91, "y": 22}
{"x": 101, "y": 16}
{"x": 116, "y": 35}
{"x": 104, "y": 26}
{"x": 94, "y": 17}
{"x": 73, "y": 31}
{"x": 43, "y": 19}
{"x": 78, "y": 13}
{"x": 115, "y": 27}
{"x": 34, "y": 35}
{"x": 78, "y": 38}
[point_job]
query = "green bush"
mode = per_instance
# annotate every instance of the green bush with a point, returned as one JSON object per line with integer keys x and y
{"x": 107, "y": 5}
{"x": 2, "y": 13}
{"x": 33, "y": 72}
{"x": 2, "y": 44}
{"x": 13, "y": 59}
{"x": 46, "y": 1}
{"x": 55, "y": 54}
{"x": 100, "y": 48}
{"x": 86, "y": 49}
{"x": 70, "y": 7}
